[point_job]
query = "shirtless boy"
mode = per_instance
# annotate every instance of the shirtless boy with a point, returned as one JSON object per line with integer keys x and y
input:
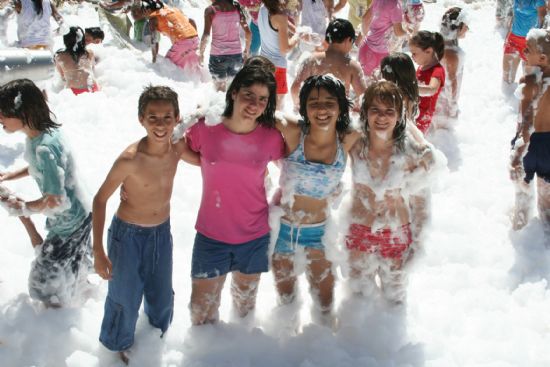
{"x": 535, "y": 115}
{"x": 340, "y": 36}
{"x": 139, "y": 259}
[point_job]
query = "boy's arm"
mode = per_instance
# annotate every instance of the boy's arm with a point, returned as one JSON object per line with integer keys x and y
{"x": 120, "y": 170}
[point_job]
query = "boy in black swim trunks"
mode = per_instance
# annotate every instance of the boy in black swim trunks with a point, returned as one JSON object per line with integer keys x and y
{"x": 534, "y": 132}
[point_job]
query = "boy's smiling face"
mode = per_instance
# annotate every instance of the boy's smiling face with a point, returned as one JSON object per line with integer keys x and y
{"x": 159, "y": 119}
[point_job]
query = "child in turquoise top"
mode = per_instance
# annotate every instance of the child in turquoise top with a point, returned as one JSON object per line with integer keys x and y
{"x": 65, "y": 255}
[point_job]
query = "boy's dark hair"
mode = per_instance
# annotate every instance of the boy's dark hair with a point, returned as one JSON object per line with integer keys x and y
{"x": 427, "y": 39}
{"x": 336, "y": 89}
{"x": 95, "y": 33}
{"x": 22, "y": 99}
{"x": 157, "y": 93}
{"x": 246, "y": 77}
{"x": 338, "y": 30}
{"x": 75, "y": 44}
{"x": 261, "y": 62}
{"x": 399, "y": 68}
{"x": 388, "y": 93}
{"x": 151, "y": 5}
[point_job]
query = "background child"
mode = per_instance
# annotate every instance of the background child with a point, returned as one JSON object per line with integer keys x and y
{"x": 33, "y": 22}
{"x": 232, "y": 224}
{"x": 527, "y": 14}
{"x": 139, "y": 261}
{"x": 64, "y": 257}
{"x": 534, "y": 115}
{"x": 413, "y": 12}
{"x": 399, "y": 68}
{"x": 253, "y": 7}
{"x": 383, "y": 18}
{"x": 226, "y": 54}
{"x": 388, "y": 169}
{"x": 75, "y": 63}
{"x": 307, "y": 183}
{"x": 93, "y": 35}
{"x": 427, "y": 48}
{"x": 453, "y": 27}
{"x": 357, "y": 9}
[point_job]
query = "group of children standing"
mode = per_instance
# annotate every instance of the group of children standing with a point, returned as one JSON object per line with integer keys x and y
{"x": 391, "y": 164}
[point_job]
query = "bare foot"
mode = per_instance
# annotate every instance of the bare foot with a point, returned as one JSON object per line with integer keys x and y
{"x": 123, "y": 355}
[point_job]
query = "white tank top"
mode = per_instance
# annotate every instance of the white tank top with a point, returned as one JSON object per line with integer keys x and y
{"x": 270, "y": 40}
{"x": 34, "y": 29}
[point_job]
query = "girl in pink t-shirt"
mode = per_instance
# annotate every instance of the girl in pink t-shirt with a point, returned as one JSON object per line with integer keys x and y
{"x": 383, "y": 18}
{"x": 232, "y": 223}
{"x": 427, "y": 48}
{"x": 222, "y": 18}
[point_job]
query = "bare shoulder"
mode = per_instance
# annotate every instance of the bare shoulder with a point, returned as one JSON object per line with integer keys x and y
{"x": 350, "y": 140}
{"x": 531, "y": 87}
{"x": 128, "y": 159}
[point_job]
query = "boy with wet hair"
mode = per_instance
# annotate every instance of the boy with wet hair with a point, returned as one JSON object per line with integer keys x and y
{"x": 533, "y": 133}
{"x": 139, "y": 259}
{"x": 336, "y": 60}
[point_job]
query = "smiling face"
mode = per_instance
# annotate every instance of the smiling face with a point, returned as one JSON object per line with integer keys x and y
{"x": 382, "y": 118}
{"x": 159, "y": 119}
{"x": 322, "y": 109}
{"x": 250, "y": 102}
{"x": 11, "y": 124}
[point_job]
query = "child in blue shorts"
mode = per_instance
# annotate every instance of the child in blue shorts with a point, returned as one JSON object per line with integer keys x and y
{"x": 139, "y": 259}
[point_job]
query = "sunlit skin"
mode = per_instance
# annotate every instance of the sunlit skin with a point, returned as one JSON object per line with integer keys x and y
{"x": 248, "y": 104}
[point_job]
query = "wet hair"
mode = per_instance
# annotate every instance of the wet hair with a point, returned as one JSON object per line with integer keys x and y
{"x": 22, "y": 99}
{"x": 451, "y": 23}
{"x": 75, "y": 43}
{"x": 338, "y": 30}
{"x": 427, "y": 39}
{"x": 273, "y": 6}
{"x": 399, "y": 68}
{"x": 246, "y": 77}
{"x": 157, "y": 93}
{"x": 37, "y": 5}
{"x": 95, "y": 33}
{"x": 151, "y": 5}
{"x": 542, "y": 39}
{"x": 389, "y": 94}
{"x": 261, "y": 62}
{"x": 336, "y": 89}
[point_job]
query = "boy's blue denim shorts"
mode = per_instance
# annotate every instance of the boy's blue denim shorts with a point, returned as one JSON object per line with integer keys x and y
{"x": 212, "y": 258}
{"x": 305, "y": 235}
{"x": 223, "y": 66}
{"x": 142, "y": 268}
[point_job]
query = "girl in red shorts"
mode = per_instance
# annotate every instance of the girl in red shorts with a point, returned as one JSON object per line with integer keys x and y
{"x": 389, "y": 168}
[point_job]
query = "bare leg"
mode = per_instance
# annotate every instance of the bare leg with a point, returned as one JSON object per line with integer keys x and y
{"x": 394, "y": 282}
{"x": 280, "y": 101}
{"x": 363, "y": 273}
{"x": 510, "y": 63}
{"x": 205, "y": 300}
{"x": 123, "y": 355}
{"x": 244, "y": 288}
{"x": 285, "y": 279}
{"x": 36, "y": 238}
{"x": 543, "y": 201}
{"x": 321, "y": 279}
{"x": 523, "y": 205}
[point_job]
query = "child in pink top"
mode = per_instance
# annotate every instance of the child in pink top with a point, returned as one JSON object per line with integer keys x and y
{"x": 427, "y": 48}
{"x": 383, "y": 18}
{"x": 226, "y": 54}
{"x": 232, "y": 224}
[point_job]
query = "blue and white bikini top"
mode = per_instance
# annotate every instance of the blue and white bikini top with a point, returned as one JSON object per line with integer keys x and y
{"x": 306, "y": 178}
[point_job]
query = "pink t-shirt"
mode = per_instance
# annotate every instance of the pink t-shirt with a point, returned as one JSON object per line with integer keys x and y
{"x": 234, "y": 207}
{"x": 386, "y": 13}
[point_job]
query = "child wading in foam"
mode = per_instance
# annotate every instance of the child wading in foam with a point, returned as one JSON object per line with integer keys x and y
{"x": 389, "y": 168}
{"x": 75, "y": 63}
{"x": 533, "y": 133}
{"x": 527, "y": 14}
{"x": 226, "y": 54}
{"x": 232, "y": 225}
{"x": 310, "y": 175}
{"x": 64, "y": 258}
{"x": 139, "y": 260}
{"x": 453, "y": 27}
{"x": 181, "y": 30}
{"x": 427, "y": 49}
